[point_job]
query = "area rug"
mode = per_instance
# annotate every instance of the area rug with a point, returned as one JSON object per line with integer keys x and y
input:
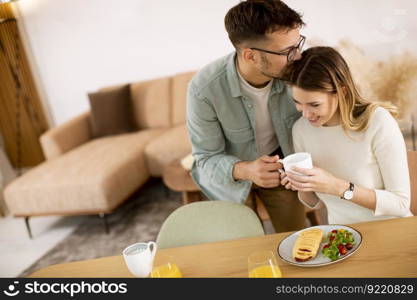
{"x": 137, "y": 220}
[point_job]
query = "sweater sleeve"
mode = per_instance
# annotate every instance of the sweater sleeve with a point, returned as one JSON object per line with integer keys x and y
{"x": 389, "y": 148}
{"x": 297, "y": 137}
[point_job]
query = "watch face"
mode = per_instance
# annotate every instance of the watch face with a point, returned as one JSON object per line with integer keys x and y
{"x": 348, "y": 195}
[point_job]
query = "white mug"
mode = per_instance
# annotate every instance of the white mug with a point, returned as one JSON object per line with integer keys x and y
{"x": 139, "y": 258}
{"x": 299, "y": 159}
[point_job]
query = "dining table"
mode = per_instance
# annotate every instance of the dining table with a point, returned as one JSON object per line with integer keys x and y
{"x": 388, "y": 249}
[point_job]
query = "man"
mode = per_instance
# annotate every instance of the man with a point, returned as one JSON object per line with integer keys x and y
{"x": 240, "y": 115}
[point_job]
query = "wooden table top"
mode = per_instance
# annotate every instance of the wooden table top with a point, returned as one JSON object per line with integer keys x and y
{"x": 389, "y": 249}
{"x": 178, "y": 179}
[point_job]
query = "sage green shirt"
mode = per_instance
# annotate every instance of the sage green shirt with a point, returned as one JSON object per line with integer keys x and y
{"x": 221, "y": 125}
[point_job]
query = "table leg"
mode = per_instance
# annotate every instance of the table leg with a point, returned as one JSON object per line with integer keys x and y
{"x": 188, "y": 197}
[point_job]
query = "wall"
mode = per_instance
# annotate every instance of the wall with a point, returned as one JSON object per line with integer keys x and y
{"x": 380, "y": 27}
{"x": 79, "y": 45}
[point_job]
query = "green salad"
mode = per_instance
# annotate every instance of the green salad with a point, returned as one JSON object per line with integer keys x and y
{"x": 338, "y": 243}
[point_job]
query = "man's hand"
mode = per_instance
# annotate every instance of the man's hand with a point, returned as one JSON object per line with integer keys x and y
{"x": 263, "y": 171}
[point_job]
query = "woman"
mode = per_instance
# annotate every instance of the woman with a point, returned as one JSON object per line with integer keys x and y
{"x": 360, "y": 160}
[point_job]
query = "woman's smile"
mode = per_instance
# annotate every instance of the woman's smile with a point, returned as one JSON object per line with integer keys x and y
{"x": 314, "y": 120}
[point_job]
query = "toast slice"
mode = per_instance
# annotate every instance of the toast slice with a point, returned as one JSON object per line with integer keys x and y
{"x": 307, "y": 244}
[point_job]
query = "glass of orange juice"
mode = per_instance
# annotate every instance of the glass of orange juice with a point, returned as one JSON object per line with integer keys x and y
{"x": 263, "y": 264}
{"x": 165, "y": 267}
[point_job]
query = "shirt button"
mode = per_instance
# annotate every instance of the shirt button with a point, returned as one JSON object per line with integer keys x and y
{"x": 250, "y": 105}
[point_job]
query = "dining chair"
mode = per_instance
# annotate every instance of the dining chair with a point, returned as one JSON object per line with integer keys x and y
{"x": 412, "y": 167}
{"x": 206, "y": 222}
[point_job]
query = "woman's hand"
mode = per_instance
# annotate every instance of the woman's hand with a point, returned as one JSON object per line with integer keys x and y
{"x": 316, "y": 180}
{"x": 285, "y": 180}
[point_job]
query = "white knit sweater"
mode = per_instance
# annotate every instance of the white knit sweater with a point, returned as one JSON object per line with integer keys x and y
{"x": 375, "y": 158}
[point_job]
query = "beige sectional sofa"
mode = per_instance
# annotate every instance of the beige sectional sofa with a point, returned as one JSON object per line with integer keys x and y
{"x": 83, "y": 175}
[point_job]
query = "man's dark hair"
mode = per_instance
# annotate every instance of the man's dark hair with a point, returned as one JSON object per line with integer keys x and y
{"x": 250, "y": 20}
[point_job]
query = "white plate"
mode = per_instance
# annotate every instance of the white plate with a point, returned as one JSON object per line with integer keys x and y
{"x": 286, "y": 245}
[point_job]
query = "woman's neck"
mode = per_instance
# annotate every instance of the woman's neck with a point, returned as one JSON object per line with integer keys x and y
{"x": 334, "y": 120}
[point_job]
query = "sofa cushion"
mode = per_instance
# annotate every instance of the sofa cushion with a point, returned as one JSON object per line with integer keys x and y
{"x": 96, "y": 176}
{"x": 173, "y": 144}
{"x": 111, "y": 111}
{"x": 151, "y": 101}
{"x": 179, "y": 88}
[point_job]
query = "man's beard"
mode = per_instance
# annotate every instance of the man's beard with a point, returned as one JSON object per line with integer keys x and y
{"x": 273, "y": 76}
{"x": 266, "y": 67}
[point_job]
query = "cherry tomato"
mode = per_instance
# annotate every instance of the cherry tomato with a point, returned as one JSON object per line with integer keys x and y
{"x": 334, "y": 231}
{"x": 326, "y": 246}
{"x": 349, "y": 246}
{"x": 342, "y": 249}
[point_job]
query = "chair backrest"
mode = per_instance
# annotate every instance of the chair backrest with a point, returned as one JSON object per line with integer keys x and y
{"x": 208, "y": 221}
{"x": 412, "y": 166}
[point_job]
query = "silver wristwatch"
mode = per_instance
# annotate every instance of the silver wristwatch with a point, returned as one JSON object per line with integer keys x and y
{"x": 348, "y": 194}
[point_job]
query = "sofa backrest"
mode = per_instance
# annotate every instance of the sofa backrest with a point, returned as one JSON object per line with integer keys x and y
{"x": 179, "y": 97}
{"x": 160, "y": 103}
{"x": 151, "y": 101}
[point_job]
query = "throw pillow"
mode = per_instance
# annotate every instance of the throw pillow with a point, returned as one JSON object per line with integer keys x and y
{"x": 111, "y": 112}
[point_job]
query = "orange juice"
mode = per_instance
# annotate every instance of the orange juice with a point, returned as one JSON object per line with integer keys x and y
{"x": 266, "y": 271}
{"x": 166, "y": 271}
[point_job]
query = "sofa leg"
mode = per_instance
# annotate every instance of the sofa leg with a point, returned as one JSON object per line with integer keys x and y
{"x": 28, "y": 227}
{"x": 106, "y": 224}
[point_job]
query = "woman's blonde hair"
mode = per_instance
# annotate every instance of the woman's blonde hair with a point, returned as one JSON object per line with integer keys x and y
{"x": 323, "y": 69}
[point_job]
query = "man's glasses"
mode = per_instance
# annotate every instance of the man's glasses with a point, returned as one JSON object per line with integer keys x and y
{"x": 290, "y": 53}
